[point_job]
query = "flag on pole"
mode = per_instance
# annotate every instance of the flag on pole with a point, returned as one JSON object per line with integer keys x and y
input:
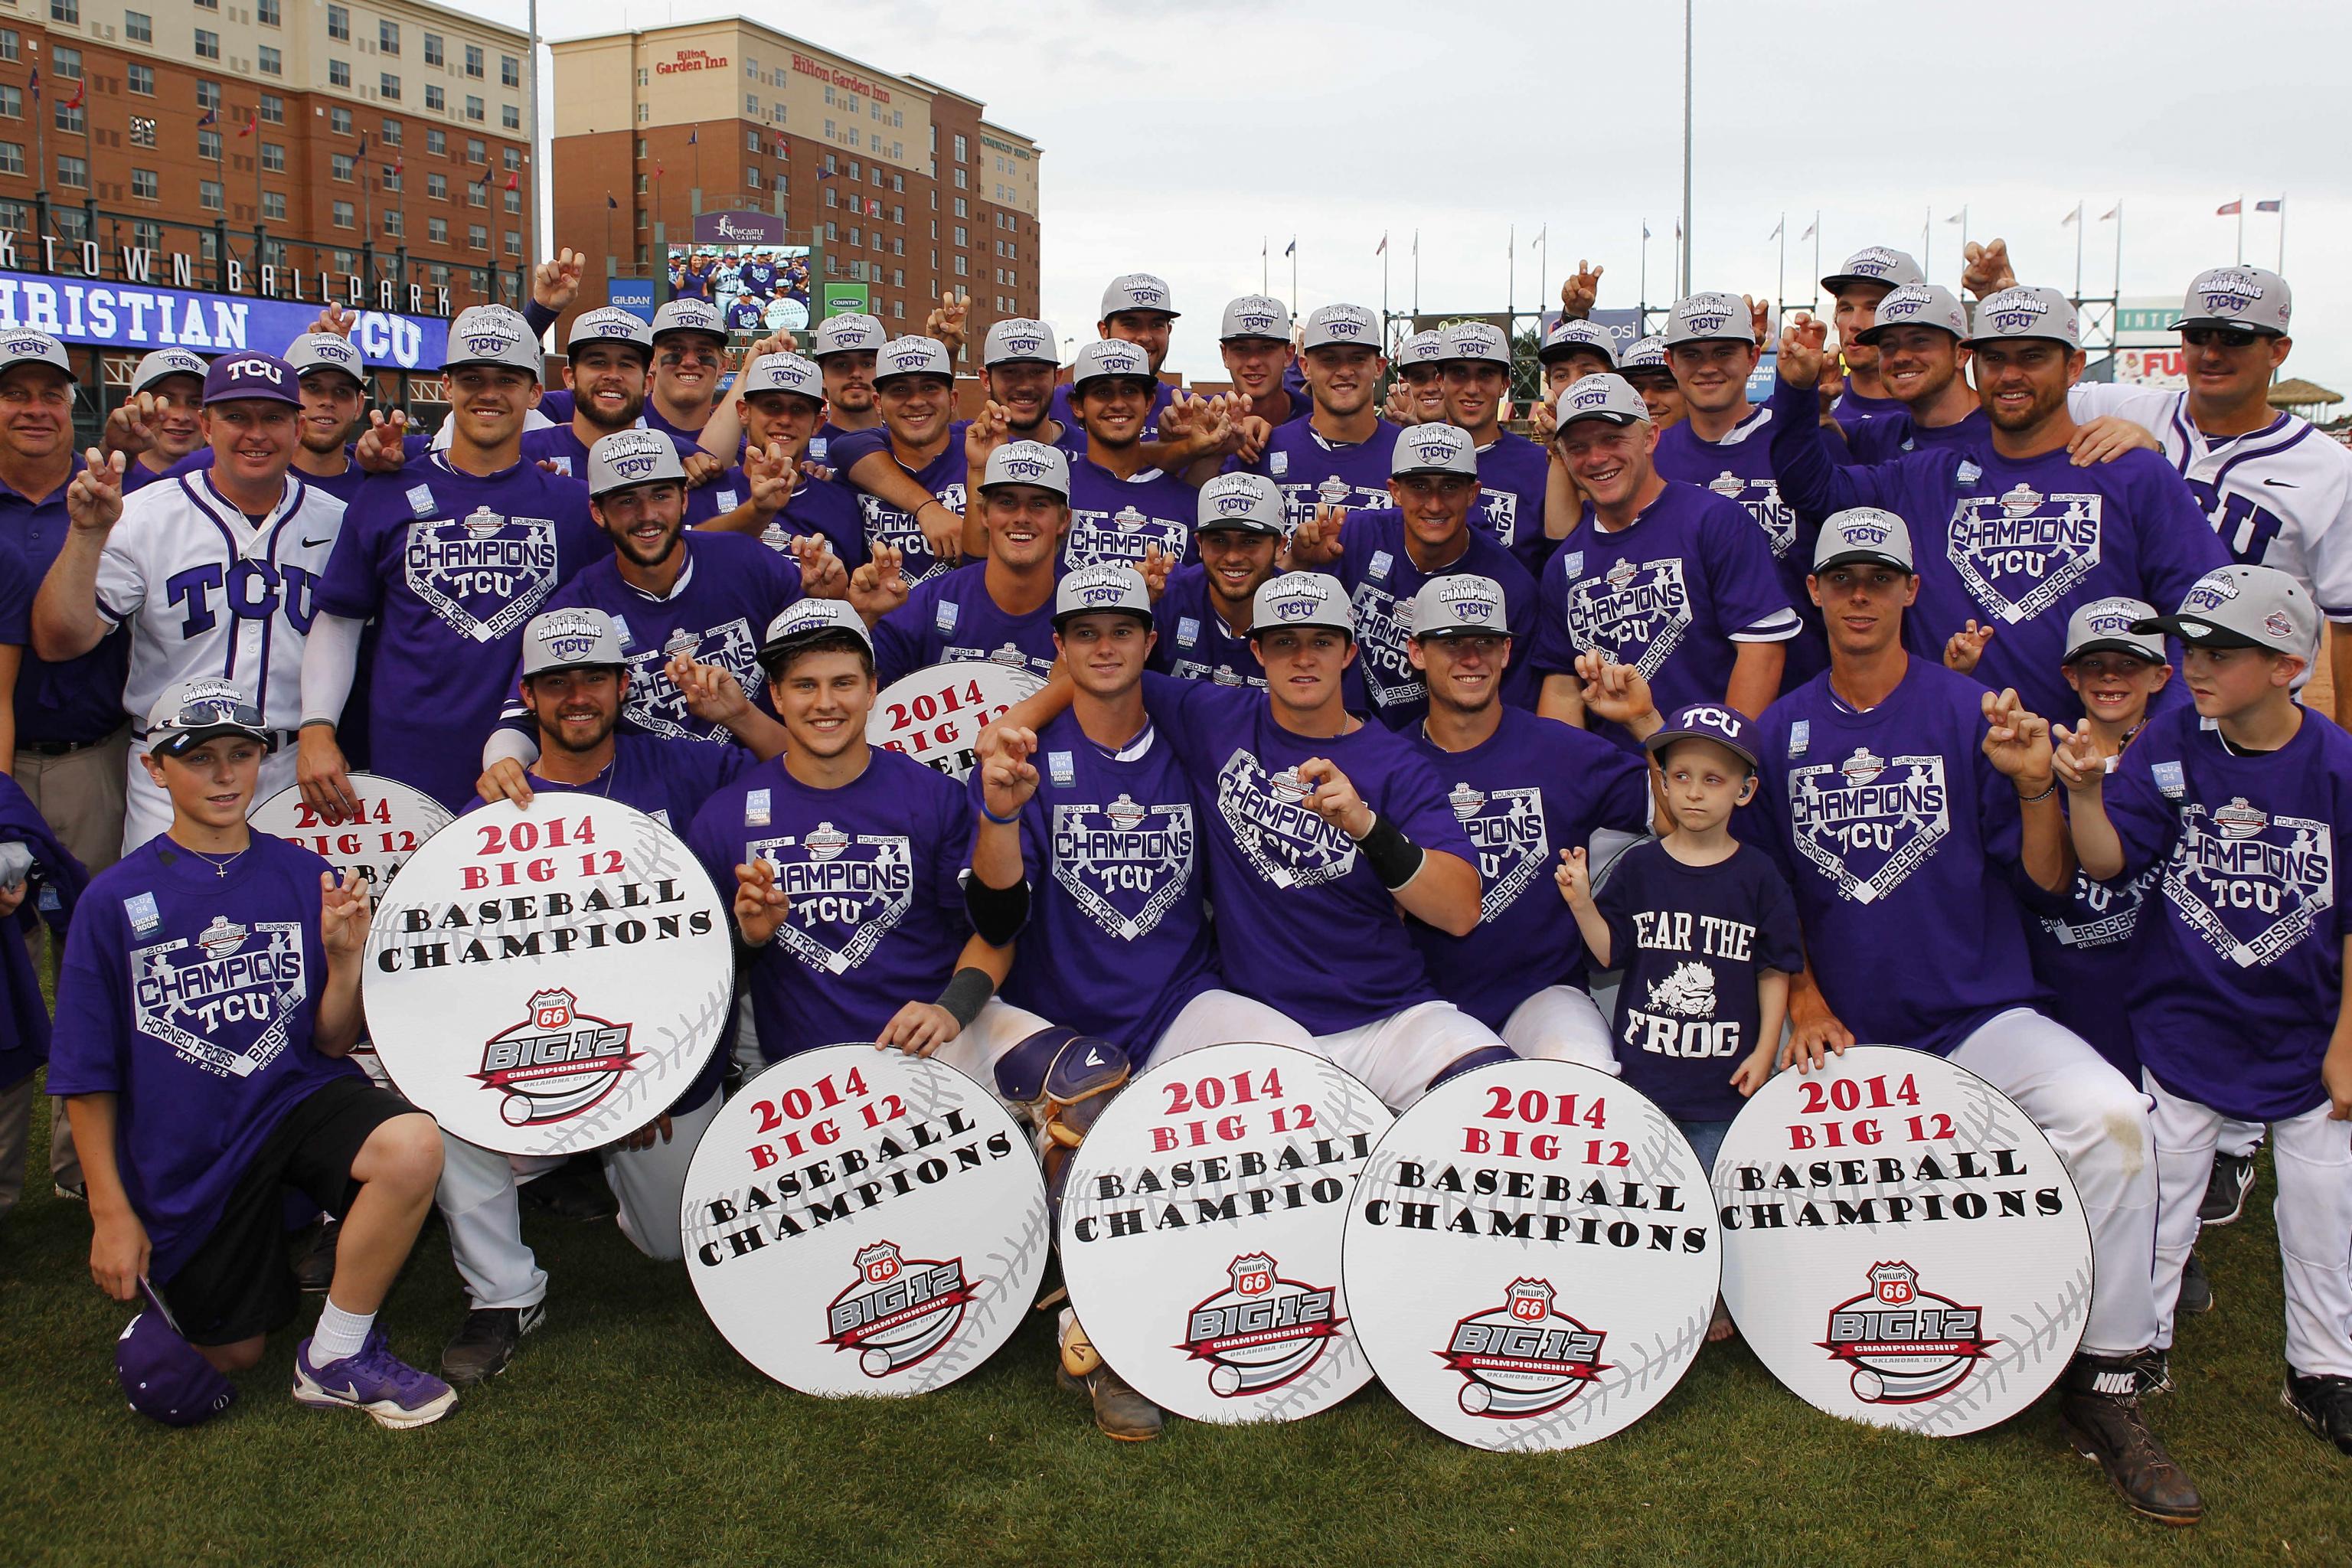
{"x": 826, "y": 173}
{"x": 2072, "y": 217}
{"x": 81, "y": 90}
{"x": 1808, "y": 232}
{"x": 1646, "y": 229}
{"x": 1382, "y": 248}
{"x": 514, "y": 182}
{"x": 2231, "y": 209}
{"x": 36, "y": 85}
{"x": 1292, "y": 249}
{"x": 252, "y": 118}
{"x": 694, "y": 137}
{"x": 1777, "y": 228}
{"x": 1958, "y": 215}
{"x": 2278, "y": 205}
{"x": 2108, "y": 215}
{"x": 208, "y": 118}
{"x": 610, "y": 204}
{"x": 1678, "y": 228}
{"x": 1539, "y": 239}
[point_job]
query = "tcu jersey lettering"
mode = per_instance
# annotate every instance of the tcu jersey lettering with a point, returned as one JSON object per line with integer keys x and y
{"x": 846, "y": 892}
{"x": 886, "y": 524}
{"x": 1867, "y": 823}
{"x": 248, "y": 591}
{"x": 1123, "y": 862}
{"x": 2100, "y": 914}
{"x": 482, "y": 575}
{"x": 1636, "y": 612}
{"x": 2021, "y": 552}
{"x": 1760, "y": 498}
{"x": 1283, "y": 838}
{"x": 225, "y": 999}
{"x": 2251, "y": 883}
{"x": 1507, "y": 829}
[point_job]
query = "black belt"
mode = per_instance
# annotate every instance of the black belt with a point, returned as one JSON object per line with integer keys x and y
{"x": 60, "y": 748}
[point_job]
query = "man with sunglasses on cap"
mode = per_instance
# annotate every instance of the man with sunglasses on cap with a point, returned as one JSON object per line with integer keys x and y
{"x": 1511, "y": 468}
{"x": 158, "y": 423}
{"x": 1858, "y": 287}
{"x": 450, "y": 556}
{"x": 1384, "y": 554}
{"x": 999, "y": 608}
{"x": 214, "y": 574}
{"x": 1338, "y": 455}
{"x": 210, "y": 992}
{"x": 1136, "y": 308}
{"x": 1203, "y": 612}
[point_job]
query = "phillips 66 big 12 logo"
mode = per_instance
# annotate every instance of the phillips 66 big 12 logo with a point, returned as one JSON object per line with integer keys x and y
{"x": 1261, "y": 1331}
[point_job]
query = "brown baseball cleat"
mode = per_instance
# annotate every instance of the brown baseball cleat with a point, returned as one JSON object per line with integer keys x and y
{"x": 2099, "y": 1406}
{"x": 1119, "y": 1411}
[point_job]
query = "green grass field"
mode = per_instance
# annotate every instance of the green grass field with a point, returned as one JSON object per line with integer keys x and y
{"x": 629, "y": 1432}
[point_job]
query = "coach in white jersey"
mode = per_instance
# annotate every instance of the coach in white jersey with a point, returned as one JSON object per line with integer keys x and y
{"x": 213, "y": 572}
{"x": 2277, "y": 491}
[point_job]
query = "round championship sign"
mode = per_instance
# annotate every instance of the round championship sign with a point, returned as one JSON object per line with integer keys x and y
{"x": 862, "y": 1222}
{"x": 394, "y": 822}
{"x": 1200, "y": 1232}
{"x": 1532, "y": 1256}
{"x": 546, "y": 981}
{"x": 935, "y": 715}
{"x": 1902, "y": 1245}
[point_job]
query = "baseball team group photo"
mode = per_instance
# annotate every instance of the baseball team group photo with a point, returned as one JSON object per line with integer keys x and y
{"x": 716, "y": 905}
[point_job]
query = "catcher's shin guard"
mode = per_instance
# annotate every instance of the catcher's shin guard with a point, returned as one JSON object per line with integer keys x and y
{"x": 1064, "y": 1078}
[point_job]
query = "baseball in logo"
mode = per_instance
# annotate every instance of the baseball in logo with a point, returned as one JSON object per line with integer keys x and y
{"x": 656, "y": 706}
{"x": 2251, "y": 883}
{"x": 1507, "y": 829}
{"x": 557, "y": 1063}
{"x": 1941, "y": 1258}
{"x": 898, "y": 1311}
{"x": 1200, "y": 1232}
{"x": 1125, "y": 863}
{"x": 1868, "y": 822}
{"x": 1532, "y": 1256}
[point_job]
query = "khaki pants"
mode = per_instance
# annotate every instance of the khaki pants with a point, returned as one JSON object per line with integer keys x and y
{"x": 80, "y": 797}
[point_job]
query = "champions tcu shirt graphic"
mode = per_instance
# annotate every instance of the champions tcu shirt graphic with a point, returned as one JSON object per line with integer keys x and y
{"x": 1907, "y": 1344}
{"x": 192, "y": 991}
{"x": 1125, "y": 863}
{"x": 1285, "y": 841}
{"x": 1506, "y": 827}
{"x": 1525, "y": 1357}
{"x": 658, "y": 707}
{"x": 557, "y": 1063}
{"x": 1636, "y": 612}
{"x": 2022, "y": 551}
{"x": 485, "y": 575}
{"x": 1261, "y": 1331}
{"x": 899, "y": 1312}
{"x": 1868, "y": 823}
{"x": 2249, "y": 882}
{"x": 1760, "y": 498}
{"x": 860, "y": 887}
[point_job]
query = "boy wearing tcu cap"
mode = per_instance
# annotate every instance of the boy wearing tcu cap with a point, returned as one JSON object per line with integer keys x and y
{"x": 1477, "y": 370}
{"x": 1136, "y": 308}
{"x": 1338, "y": 455}
{"x": 1253, "y": 340}
{"x": 1859, "y": 287}
{"x": 1524, "y": 790}
{"x": 1908, "y": 808}
{"x": 1121, "y": 503}
{"x": 917, "y": 455}
{"x": 1204, "y": 614}
{"x": 210, "y": 991}
{"x": 1384, "y": 554}
{"x": 999, "y": 608}
{"x": 214, "y": 574}
{"x": 780, "y": 397}
{"x": 2238, "y": 1003}
{"x": 160, "y": 422}
{"x": 451, "y": 555}
{"x": 1674, "y": 580}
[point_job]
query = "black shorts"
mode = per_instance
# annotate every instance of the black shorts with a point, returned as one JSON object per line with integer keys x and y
{"x": 239, "y": 1283}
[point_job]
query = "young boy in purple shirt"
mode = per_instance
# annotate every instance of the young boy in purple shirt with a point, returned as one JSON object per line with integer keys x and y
{"x": 210, "y": 990}
{"x": 2239, "y": 1004}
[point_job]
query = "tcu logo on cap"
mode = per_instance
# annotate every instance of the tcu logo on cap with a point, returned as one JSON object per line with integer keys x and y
{"x": 1433, "y": 442}
{"x": 2229, "y": 292}
{"x": 1904, "y": 302}
{"x": 1873, "y": 263}
{"x": 1469, "y": 601}
{"x": 2015, "y": 310}
{"x": 1143, "y": 292}
{"x": 1863, "y": 531}
{"x": 326, "y": 346}
{"x": 1707, "y": 312}
{"x": 2112, "y": 622}
{"x": 2211, "y": 590}
{"x": 489, "y": 341}
{"x": 1235, "y": 500}
{"x": 570, "y": 635}
{"x": 1022, "y": 342}
{"x": 1121, "y": 360}
{"x": 1298, "y": 606}
{"x": 1102, "y": 584}
{"x": 909, "y": 356}
{"x": 1719, "y": 720}
{"x": 28, "y": 345}
{"x": 1253, "y": 320}
{"x": 1588, "y": 396}
{"x": 1343, "y": 327}
{"x": 632, "y": 455}
{"x": 1026, "y": 460}
{"x": 253, "y": 369}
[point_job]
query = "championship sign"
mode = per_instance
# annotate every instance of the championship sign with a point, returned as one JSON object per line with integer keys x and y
{"x": 394, "y": 822}
{"x": 935, "y": 715}
{"x": 862, "y": 1222}
{"x": 1200, "y": 1232}
{"x": 546, "y": 981}
{"x": 1902, "y": 1245}
{"x": 1532, "y": 1256}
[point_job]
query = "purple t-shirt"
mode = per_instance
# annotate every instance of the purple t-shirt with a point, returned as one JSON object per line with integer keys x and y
{"x": 1666, "y": 593}
{"x": 1118, "y": 940}
{"x": 944, "y": 476}
{"x": 562, "y": 445}
{"x": 1059, "y": 408}
{"x": 1532, "y": 789}
{"x": 1739, "y": 469}
{"x": 1900, "y": 842}
{"x": 2086, "y": 954}
{"x": 1884, "y": 440}
{"x": 1195, "y": 643}
{"x": 1512, "y": 471}
{"x": 1310, "y": 471}
{"x": 825, "y": 507}
{"x": 871, "y": 872}
{"x": 1691, "y": 941}
{"x": 137, "y": 475}
{"x": 685, "y": 436}
{"x": 1303, "y": 923}
{"x": 1381, "y": 580}
{"x": 192, "y": 996}
{"x": 76, "y": 700}
{"x": 1854, "y": 411}
{"x": 2020, "y": 544}
{"x": 950, "y": 618}
{"x": 17, "y": 591}
{"x": 2241, "y": 970}
{"x": 1113, "y": 519}
{"x": 454, "y": 564}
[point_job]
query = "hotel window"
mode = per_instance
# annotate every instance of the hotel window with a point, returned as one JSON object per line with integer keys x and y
{"x": 433, "y": 55}
{"x": 273, "y": 205}
{"x": 346, "y": 215}
{"x": 139, "y": 79}
{"x": 138, "y": 26}
{"x": 273, "y": 157}
{"x": 387, "y": 37}
{"x": 339, "y": 24}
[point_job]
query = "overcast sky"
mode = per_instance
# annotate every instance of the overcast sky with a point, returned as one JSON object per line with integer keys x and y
{"x": 1178, "y": 137}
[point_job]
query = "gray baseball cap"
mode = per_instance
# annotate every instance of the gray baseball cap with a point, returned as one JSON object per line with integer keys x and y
{"x": 1336, "y": 326}
{"x": 1249, "y": 502}
{"x": 2105, "y": 626}
{"x": 783, "y": 373}
{"x": 628, "y": 458}
{"x": 1571, "y": 335}
{"x": 2244, "y": 606}
{"x": 493, "y": 334}
{"x": 1107, "y": 357}
{"x": 1708, "y": 318}
{"x": 1028, "y": 463}
{"x": 1421, "y": 348}
{"x": 1254, "y": 316}
{"x": 1459, "y": 603}
{"x": 1104, "y": 586}
{"x": 326, "y": 351}
{"x": 1301, "y": 599}
{"x": 2026, "y": 311}
{"x": 1433, "y": 449}
{"x": 1875, "y": 263}
{"x": 191, "y": 712}
{"x": 849, "y": 332}
{"x": 1139, "y": 291}
{"x": 609, "y": 323}
{"x": 1605, "y": 395}
{"x": 688, "y": 316}
{"x": 25, "y": 346}
{"x": 1644, "y": 353}
{"x": 804, "y": 621}
{"x": 2246, "y": 297}
{"x": 1019, "y": 340}
{"x": 1864, "y": 534}
{"x": 1480, "y": 341}
{"x": 1917, "y": 305}
{"x": 577, "y": 638}
{"x": 164, "y": 363}
{"x": 913, "y": 356}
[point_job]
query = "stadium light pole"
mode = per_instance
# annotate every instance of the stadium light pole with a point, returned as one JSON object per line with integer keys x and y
{"x": 1686, "y": 149}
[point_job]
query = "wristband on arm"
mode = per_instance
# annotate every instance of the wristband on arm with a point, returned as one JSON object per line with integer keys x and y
{"x": 1396, "y": 858}
{"x": 966, "y": 994}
